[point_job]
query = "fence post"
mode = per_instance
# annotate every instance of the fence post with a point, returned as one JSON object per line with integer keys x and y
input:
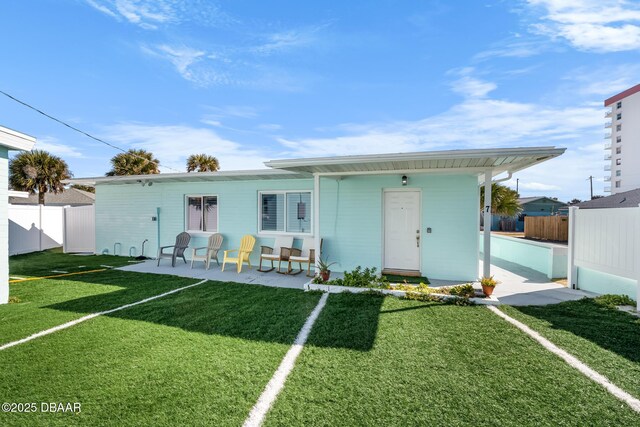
{"x": 637, "y": 263}
{"x": 572, "y": 271}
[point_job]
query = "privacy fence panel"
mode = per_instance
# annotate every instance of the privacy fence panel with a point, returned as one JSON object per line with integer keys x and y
{"x": 34, "y": 228}
{"x": 604, "y": 241}
{"x": 555, "y": 228}
{"x": 80, "y": 229}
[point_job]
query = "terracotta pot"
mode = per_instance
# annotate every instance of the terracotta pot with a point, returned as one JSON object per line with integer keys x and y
{"x": 488, "y": 290}
{"x": 325, "y": 275}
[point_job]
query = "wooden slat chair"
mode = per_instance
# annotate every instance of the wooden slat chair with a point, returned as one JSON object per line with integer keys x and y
{"x": 211, "y": 250}
{"x": 306, "y": 255}
{"x": 182, "y": 243}
{"x": 246, "y": 247}
{"x": 280, "y": 251}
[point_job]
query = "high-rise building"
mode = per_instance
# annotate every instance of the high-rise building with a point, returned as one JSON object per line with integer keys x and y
{"x": 622, "y": 145}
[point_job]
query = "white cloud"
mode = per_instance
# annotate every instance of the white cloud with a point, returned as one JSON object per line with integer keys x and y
{"x": 603, "y": 81}
{"x": 238, "y": 111}
{"x": 287, "y": 40}
{"x": 470, "y": 86}
{"x": 147, "y": 14}
{"x": 590, "y": 25}
{"x": 54, "y": 146}
{"x": 513, "y": 49}
{"x": 172, "y": 144}
{"x": 192, "y": 64}
{"x": 152, "y": 14}
{"x": 483, "y": 122}
{"x": 270, "y": 126}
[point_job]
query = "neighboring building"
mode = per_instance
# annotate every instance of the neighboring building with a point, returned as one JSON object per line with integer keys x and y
{"x": 69, "y": 197}
{"x": 9, "y": 140}
{"x": 627, "y": 199}
{"x": 531, "y": 206}
{"x": 414, "y": 212}
{"x": 622, "y": 149}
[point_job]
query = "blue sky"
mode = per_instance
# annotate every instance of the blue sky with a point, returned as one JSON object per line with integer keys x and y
{"x": 249, "y": 81}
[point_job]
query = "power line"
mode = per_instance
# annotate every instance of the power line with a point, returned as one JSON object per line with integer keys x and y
{"x": 81, "y": 131}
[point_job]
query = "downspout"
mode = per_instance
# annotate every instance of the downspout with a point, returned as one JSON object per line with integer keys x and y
{"x": 158, "y": 226}
{"x": 316, "y": 218}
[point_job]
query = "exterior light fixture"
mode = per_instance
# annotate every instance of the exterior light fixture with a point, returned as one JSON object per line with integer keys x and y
{"x": 404, "y": 180}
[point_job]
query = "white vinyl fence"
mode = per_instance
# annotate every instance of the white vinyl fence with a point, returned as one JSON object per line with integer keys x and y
{"x": 80, "y": 229}
{"x": 604, "y": 250}
{"x": 36, "y": 228}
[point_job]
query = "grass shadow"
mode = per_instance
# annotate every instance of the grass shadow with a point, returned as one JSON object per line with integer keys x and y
{"x": 231, "y": 309}
{"x": 607, "y": 327}
{"x": 348, "y": 321}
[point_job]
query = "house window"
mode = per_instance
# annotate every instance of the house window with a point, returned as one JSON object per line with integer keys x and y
{"x": 618, "y": 184}
{"x": 618, "y": 172}
{"x": 618, "y": 162}
{"x": 618, "y": 139}
{"x": 619, "y": 104}
{"x": 618, "y": 150}
{"x": 285, "y": 212}
{"x": 619, "y": 116}
{"x": 618, "y": 128}
{"x": 202, "y": 214}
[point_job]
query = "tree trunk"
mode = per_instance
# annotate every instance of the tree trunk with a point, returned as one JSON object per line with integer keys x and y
{"x": 41, "y": 196}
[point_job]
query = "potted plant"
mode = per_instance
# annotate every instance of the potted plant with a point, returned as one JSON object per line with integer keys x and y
{"x": 323, "y": 267}
{"x": 488, "y": 285}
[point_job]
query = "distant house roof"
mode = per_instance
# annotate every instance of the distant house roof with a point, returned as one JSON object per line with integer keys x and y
{"x": 69, "y": 197}
{"x": 525, "y": 200}
{"x": 628, "y": 199}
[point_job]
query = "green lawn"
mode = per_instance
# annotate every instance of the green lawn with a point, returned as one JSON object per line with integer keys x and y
{"x": 39, "y": 264}
{"x": 199, "y": 357}
{"x": 384, "y": 361}
{"x": 203, "y": 356}
{"x": 606, "y": 339}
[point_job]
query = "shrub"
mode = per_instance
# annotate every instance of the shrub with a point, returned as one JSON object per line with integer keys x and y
{"x": 614, "y": 300}
{"x": 361, "y": 278}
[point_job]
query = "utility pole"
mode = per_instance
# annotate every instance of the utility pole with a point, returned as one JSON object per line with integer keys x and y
{"x": 590, "y": 179}
{"x": 517, "y": 185}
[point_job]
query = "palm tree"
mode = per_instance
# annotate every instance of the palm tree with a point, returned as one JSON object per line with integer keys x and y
{"x": 134, "y": 162}
{"x": 504, "y": 201}
{"x": 202, "y": 163}
{"x": 38, "y": 172}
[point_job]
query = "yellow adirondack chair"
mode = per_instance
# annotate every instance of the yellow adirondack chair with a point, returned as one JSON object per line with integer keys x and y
{"x": 246, "y": 246}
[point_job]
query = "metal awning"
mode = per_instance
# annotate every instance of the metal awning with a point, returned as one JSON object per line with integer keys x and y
{"x": 475, "y": 162}
{"x": 243, "y": 175}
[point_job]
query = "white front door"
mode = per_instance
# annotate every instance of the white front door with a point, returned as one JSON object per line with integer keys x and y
{"x": 402, "y": 230}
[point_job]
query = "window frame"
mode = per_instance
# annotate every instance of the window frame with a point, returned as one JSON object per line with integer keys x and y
{"x": 262, "y": 232}
{"x": 186, "y": 214}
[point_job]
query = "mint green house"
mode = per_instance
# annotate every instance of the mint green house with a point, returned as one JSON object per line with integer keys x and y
{"x": 9, "y": 140}
{"x": 413, "y": 213}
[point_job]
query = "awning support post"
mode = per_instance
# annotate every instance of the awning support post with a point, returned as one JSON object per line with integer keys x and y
{"x": 486, "y": 263}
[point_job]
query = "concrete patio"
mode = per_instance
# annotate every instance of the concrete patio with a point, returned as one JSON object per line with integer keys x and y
{"x": 518, "y": 285}
{"x": 230, "y": 274}
{"x": 524, "y": 286}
